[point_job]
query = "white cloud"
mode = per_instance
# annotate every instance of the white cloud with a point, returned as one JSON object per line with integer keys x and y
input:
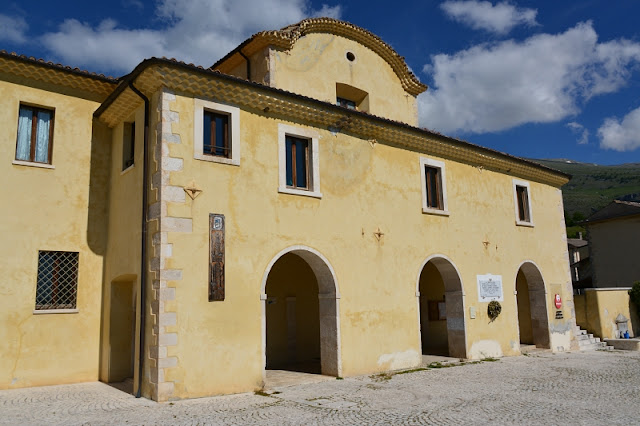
{"x": 482, "y": 15}
{"x": 327, "y": 11}
{"x": 545, "y": 78}
{"x": 13, "y": 29}
{"x": 581, "y": 131}
{"x": 621, "y": 135}
{"x": 198, "y": 31}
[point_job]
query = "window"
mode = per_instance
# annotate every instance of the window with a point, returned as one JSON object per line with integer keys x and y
{"x": 35, "y": 135}
{"x": 128, "y": 144}
{"x": 433, "y": 187}
{"x": 298, "y": 161}
{"x": 297, "y": 152}
{"x": 215, "y": 137}
{"x": 522, "y": 199}
{"x": 434, "y": 191}
{"x": 345, "y": 103}
{"x": 57, "y": 280}
{"x": 351, "y": 97}
{"x": 216, "y": 132}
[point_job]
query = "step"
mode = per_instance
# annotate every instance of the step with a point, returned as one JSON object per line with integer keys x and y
{"x": 592, "y": 341}
{"x": 587, "y": 342}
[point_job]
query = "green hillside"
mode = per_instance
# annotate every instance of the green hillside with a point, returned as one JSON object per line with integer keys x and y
{"x": 593, "y": 186}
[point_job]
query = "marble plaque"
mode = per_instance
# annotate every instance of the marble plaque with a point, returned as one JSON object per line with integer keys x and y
{"x": 490, "y": 288}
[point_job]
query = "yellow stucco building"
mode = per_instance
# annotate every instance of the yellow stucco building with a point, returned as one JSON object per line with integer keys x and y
{"x": 190, "y": 227}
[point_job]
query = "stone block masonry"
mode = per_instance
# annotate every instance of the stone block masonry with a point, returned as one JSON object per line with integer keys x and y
{"x": 166, "y": 281}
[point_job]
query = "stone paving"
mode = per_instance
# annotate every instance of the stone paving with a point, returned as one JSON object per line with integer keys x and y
{"x": 543, "y": 388}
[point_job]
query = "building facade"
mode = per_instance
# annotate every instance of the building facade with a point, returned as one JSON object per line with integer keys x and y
{"x": 613, "y": 233}
{"x": 280, "y": 209}
{"x": 614, "y": 237}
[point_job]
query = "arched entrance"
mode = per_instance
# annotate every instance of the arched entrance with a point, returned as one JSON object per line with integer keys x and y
{"x": 300, "y": 313}
{"x": 441, "y": 308}
{"x": 533, "y": 323}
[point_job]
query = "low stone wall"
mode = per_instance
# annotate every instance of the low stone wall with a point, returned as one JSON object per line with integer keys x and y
{"x": 597, "y": 309}
{"x": 624, "y": 344}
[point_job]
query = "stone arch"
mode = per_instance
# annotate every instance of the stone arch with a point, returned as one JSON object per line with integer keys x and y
{"x": 329, "y": 306}
{"x": 454, "y": 302}
{"x": 536, "y": 288}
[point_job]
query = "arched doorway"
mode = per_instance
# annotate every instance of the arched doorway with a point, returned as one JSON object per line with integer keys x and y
{"x": 300, "y": 317}
{"x": 533, "y": 323}
{"x": 441, "y": 309}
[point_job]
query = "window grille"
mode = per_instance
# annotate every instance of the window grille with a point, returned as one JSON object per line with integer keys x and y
{"x": 57, "y": 280}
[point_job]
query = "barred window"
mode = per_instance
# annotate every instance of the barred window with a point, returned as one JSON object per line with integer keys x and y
{"x": 57, "y": 280}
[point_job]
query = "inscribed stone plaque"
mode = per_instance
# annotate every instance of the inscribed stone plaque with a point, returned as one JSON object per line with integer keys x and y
{"x": 490, "y": 288}
{"x": 216, "y": 257}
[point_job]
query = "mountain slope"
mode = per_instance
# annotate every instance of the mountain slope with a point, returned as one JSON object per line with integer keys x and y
{"x": 593, "y": 186}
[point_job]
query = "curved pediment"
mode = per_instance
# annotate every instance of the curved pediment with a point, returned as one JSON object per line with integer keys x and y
{"x": 286, "y": 38}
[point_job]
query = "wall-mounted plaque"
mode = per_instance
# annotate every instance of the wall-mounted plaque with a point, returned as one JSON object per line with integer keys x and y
{"x": 490, "y": 288}
{"x": 216, "y": 257}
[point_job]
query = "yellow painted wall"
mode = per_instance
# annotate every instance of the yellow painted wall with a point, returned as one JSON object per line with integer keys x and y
{"x": 122, "y": 261}
{"x": 61, "y": 209}
{"x": 580, "y": 301}
{"x": 318, "y": 61}
{"x": 601, "y": 309}
{"x": 219, "y": 344}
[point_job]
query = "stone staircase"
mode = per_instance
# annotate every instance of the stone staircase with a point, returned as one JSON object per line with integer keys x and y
{"x": 586, "y": 341}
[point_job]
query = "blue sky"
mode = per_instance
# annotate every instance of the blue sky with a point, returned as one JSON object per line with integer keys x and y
{"x": 538, "y": 79}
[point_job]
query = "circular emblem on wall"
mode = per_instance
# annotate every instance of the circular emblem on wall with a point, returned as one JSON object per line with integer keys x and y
{"x": 558, "y": 301}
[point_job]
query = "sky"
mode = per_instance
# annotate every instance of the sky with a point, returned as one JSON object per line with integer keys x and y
{"x": 536, "y": 79}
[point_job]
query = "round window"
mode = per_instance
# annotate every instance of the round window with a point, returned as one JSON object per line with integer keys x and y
{"x": 351, "y": 57}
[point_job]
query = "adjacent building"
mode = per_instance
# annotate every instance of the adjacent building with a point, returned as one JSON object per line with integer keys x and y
{"x": 579, "y": 262}
{"x": 192, "y": 227}
{"x": 613, "y": 233}
{"x": 614, "y": 237}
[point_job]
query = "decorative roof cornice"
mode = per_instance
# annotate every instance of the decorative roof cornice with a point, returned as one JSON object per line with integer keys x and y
{"x": 22, "y": 66}
{"x": 287, "y": 37}
{"x": 152, "y": 74}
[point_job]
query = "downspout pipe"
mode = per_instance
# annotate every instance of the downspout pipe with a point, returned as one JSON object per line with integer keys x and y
{"x": 143, "y": 241}
{"x": 248, "y": 64}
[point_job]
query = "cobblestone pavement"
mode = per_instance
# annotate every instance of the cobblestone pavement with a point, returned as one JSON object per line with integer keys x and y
{"x": 568, "y": 388}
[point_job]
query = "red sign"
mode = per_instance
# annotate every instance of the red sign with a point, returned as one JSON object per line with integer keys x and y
{"x": 558, "y": 301}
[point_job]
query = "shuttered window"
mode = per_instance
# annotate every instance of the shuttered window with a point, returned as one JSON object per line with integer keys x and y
{"x": 35, "y": 135}
{"x": 433, "y": 187}
{"x": 297, "y": 152}
{"x": 522, "y": 196}
{"x": 216, "y": 139}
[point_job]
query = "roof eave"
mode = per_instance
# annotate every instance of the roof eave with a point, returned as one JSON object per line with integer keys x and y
{"x": 559, "y": 179}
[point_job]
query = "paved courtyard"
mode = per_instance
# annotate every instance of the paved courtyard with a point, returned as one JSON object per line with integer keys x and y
{"x": 570, "y": 388}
